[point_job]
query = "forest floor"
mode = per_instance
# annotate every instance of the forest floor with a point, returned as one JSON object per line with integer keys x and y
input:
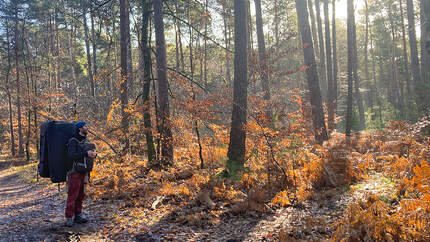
{"x": 33, "y": 210}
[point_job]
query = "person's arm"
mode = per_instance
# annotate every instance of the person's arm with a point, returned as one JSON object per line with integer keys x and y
{"x": 73, "y": 152}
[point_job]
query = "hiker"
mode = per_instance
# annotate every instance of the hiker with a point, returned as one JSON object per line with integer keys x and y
{"x": 81, "y": 154}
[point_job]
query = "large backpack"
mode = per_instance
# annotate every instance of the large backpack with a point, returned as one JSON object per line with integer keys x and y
{"x": 54, "y": 136}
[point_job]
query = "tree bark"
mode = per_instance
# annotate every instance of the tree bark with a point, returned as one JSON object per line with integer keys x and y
{"x": 350, "y": 23}
{"x": 125, "y": 34}
{"x": 18, "y": 84}
{"x": 236, "y": 148}
{"x": 163, "y": 86}
{"x": 226, "y": 16}
{"x": 146, "y": 52}
{"x": 330, "y": 91}
{"x": 94, "y": 43}
{"x": 264, "y": 75}
{"x": 9, "y": 96}
{"x": 425, "y": 40}
{"x": 335, "y": 67}
{"x": 415, "y": 65}
{"x": 405, "y": 51}
{"x": 87, "y": 47}
{"x": 359, "y": 98}
{"x": 314, "y": 27}
{"x": 311, "y": 73}
{"x": 322, "y": 70}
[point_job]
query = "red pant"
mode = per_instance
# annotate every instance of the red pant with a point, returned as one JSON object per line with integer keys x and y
{"x": 75, "y": 194}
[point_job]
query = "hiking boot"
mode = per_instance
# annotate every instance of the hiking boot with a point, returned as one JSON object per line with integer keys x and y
{"x": 69, "y": 222}
{"x": 80, "y": 218}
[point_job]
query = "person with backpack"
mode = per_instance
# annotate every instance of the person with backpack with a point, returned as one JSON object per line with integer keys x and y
{"x": 81, "y": 155}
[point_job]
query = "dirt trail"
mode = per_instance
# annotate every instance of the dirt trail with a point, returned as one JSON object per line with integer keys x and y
{"x": 35, "y": 212}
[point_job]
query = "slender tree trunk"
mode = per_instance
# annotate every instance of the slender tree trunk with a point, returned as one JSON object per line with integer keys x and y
{"x": 369, "y": 98}
{"x": 27, "y": 78}
{"x": 264, "y": 75}
{"x": 350, "y": 36}
{"x": 405, "y": 51}
{"x": 236, "y": 148}
{"x": 87, "y": 47}
{"x": 415, "y": 65}
{"x": 335, "y": 67}
{"x": 94, "y": 42}
{"x": 205, "y": 46}
{"x": 181, "y": 51}
{"x": 311, "y": 73}
{"x": 227, "y": 45}
{"x": 330, "y": 92}
{"x": 425, "y": 40}
{"x": 314, "y": 27}
{"x": 322, "y": 71}
{"x": 163, "y": 86}
{"x": 146, "y": 52}
{"x": 374, "y": 89}
{"x": 359, "y": 98}
{"x": 124, "y": 29}
{"x": 397, "y": 82}
{"x": 9, "y": 96}
{"x": 18, "y": 84}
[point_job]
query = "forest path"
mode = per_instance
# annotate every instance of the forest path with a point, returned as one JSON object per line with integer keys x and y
{"x": 317, "y": 218}
{"x": 31, "y": 211}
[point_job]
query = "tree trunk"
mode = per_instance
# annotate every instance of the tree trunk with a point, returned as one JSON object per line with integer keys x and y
{"x": 415, "y": 65}
{"x": 9, "y": 96}
{"x": 350, "y": 24}
{"x": 359, "y": 98}
{"x": 366, "y": 60}
{"x": 330, "y": 91}
{"x": 311, "y": 73}
{"x": 264, "y": 75}
{"x": 405, "y": 51}
{"x": 322, "y": 71}
{"x": 335, "y": 67}
{"x": 87, "y": 47}
{"x": 125, "y": 34}
{"x": 397, "y": 88}
{"x": 163, "y": 86}
{"x": 236, "y": 148}
{"x": 425, "y": 40}
{"x": 18, "y": 86}
{"x": 146, "y": 53}
{"x": 314, "y": 27}
{"x": 94, "y": 43}
{"x": 227, "y": 45}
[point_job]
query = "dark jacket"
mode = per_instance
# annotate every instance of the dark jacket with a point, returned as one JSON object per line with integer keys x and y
{"x": 75, "y": 152}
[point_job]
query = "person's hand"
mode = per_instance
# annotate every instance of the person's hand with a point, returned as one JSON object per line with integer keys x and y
{"x": 92, "y": 154}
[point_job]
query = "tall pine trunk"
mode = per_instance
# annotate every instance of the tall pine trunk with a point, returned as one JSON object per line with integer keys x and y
{"x": 9, "y": 95}
{"x": 313, "y": 27}
{"x": 236, "y": 148}
{"x": 264, "y": 75}
{"x": 18, "y": 85}
{"x": 87, "y": 48}
{"x": 335, "y": 66}
{"x": 350, "y": 36}
{"x": 311, "y": 73}
{"x": 146, "y": 52}
{"x": 405, "y": 51}
{"x": 359, "y": 98}
{"x": 322, "y": 70}
{"x": 125, "y": 34}
{"x": 163, "y": 86}
{"x": 330, "y": 84}
{"x": 415, "y": 65}
{"x": 425, "y": 40}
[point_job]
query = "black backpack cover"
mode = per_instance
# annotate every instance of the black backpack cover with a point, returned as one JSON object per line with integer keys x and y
{"x": 54, "y": 136}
